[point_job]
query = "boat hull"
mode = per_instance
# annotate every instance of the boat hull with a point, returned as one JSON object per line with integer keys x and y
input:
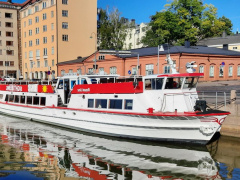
{"x": 192, "y": 129}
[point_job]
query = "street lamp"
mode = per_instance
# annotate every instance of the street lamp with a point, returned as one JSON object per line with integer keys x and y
{"x": 95, "y": 60}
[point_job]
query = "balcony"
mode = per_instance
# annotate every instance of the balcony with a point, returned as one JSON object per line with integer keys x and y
{"x": 30, "y": 58}
{"x": 37, "y": 57}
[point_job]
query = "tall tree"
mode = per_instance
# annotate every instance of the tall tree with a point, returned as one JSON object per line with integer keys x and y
{"x": 112, "y": 30}
{"x": 183, "y": 20}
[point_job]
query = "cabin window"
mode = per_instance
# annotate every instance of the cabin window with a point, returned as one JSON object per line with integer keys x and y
{"x": 10, "y": 98}
{"x": 6, "y": 98}
{"x": 35, "y": 100}
{"x": 174, "y": 83}
{"x": 16, "y": 99}
{"x": 190, "y": 82}
{"x": 115, "y": 104}
{"x": 60, "y": 84}
{"x": 83, "y": 81}
{"x": 153, "y": 84}
{"x": 73, "y": 82}
{"x": 101, "y": 103}
{"x": 42, "y": 101}
{"x": 22, "y": 99}
{"x": 1, "y": 96}
{"x": 29, "y": 99}
{"x": 90, "y": 103}
{"x": 94, "y": 81}
{"x": 128, "y": 104}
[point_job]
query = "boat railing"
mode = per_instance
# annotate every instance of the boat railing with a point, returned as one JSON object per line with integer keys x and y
{"x": 27, "y": 82}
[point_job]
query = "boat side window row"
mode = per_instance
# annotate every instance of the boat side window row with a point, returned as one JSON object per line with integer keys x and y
{"x": 126, "y": 104}
{"x": 30, "y": 100}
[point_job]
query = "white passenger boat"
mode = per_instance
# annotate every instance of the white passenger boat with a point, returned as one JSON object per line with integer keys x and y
{"x": 163, "y": 107}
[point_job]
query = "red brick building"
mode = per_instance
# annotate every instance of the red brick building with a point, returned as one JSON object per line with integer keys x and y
{"x": 216, "y": 64}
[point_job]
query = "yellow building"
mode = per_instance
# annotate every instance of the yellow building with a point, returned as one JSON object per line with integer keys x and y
{"x": 54, "y": 31}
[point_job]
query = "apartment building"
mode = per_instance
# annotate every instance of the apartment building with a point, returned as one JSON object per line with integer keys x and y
{"x": 9, "y": 50}
{"x": 55, "y": 31}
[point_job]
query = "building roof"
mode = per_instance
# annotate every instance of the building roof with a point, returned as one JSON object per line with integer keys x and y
{"x": 233, "y": 39}
{"x": 150, "y": 51}
{"x": 78, "y": 60}
{"x": 7, "y": 3}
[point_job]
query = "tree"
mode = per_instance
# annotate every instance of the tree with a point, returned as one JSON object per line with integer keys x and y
{"x": 112, "y": 30}
{"x": 185, "y": 20}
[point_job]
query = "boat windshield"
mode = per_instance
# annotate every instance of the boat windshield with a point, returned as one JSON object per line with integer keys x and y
{"x": 190, "y": 82}
{"x": 174, "y": 83}
{"x": 153, "y": 83}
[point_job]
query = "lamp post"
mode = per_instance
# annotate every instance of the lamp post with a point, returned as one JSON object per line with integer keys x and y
{"x": 95, "y": 60}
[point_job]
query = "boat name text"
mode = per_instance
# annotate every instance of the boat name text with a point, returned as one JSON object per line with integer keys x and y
{"x": 14, "y": 88}
{"x": 84, "y": 90}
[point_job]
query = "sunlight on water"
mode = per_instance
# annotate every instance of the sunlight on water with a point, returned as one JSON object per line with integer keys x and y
{"x": 30, "y": 150}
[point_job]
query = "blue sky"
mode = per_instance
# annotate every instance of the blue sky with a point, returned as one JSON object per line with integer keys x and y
{"x": 141, "y": 10}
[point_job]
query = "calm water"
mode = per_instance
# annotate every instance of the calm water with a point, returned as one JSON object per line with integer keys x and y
{"x": 30, "y": 150}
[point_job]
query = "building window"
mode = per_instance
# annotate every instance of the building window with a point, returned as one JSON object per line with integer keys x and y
{"x": 9, "y": 34}
{"x": 37, "y": 41}
{"x": 52, "y": 2}
{"x": 45, "y": 51}
{"x": 79, "y": 71}
{"x": 0, "y": 42}
{"x": 30, "y": 54}
{"x": 36, "y": 8}
{"x": 25, "y": 44}
{"x": 44, "y": 5}
{"x": 230, "y": 71}
{"x": 65, "y": 13}
{"x": 62, "y": 72}
{"x": 0, "y": 51}
{"x": 238, "y": 70}
{"x": 52, "y": 26}
{"x": 30, "y": 43}
{"x": 24, "y": 14}
{"x": 10, "y": 52}
{"x": 65, "y": 25}
{"x": 36, "y": 19}
{"x": 101, "y": 71}
{"x": 29, "y": 11}
{"x": 113, "y": 70}
{"x": 221, "y": 70}
{"x": 25, "y": 34}
{"x": 44, "y": 40}
{"x": 44, "y": 16}
{"x": 8, "y": 24}
{"x": 149, "y": 69}
{"x": 211, "y": 72}
{"x": 37, "y": 53}
{"x": 201, "y": 69}
{"x": 101, "y": 57}
{"x": 8, "y": 15}
{"x": 38, "y": 64}
{"x": 70, "y": 71}
{"x": 166, "y": 69}
{"x": 65, "y": 37}
{"x": 90, "y": 70}
{"x": 8, "y": 43}
{"x": 53, "y": 64}
{"x": 37, "y": 30}
{"x": 25, "y": 56}
{"x": 134, "y": 70}
{"x": 45, "y": 63}
{"x": 52, "y": 13}
{"x": 64, "y": 1}
{"x": 24, "y": 24}
{"x": 30, "y": 32}
{"x": 52, "y": 50}
{"x": 44, "y": 28}
{"x": 30, "y": 22}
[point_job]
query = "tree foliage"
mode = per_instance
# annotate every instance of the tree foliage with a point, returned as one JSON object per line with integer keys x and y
{"x": 185, "y": 20}
{"x": 112, "y": 30}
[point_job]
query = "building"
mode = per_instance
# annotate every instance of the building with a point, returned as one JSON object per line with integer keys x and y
{"x": 134, "y": 36}
{"x": 226, "y": 42}
{"x": 54, "y": 31}
{"x": 216, "y": 64}
{"x": 9, "y": 35}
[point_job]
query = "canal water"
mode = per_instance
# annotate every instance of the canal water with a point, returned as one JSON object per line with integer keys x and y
{"x": 30, "y": 151}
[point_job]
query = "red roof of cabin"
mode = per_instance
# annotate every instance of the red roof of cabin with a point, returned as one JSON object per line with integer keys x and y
{"x": 182, "y": 75}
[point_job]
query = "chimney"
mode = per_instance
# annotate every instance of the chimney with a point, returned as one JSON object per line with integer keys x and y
{"x": 224, "y": 34}
{"x": 225, "y": 46}
{"x": 187, "y": 44}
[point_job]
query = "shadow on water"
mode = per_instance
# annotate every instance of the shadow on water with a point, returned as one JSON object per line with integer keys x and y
{"x": 30, "y": 150}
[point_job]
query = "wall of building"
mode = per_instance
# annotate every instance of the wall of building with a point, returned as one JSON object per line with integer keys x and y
{"x": 123, "y": 66}
{"x": 8, "y": 25}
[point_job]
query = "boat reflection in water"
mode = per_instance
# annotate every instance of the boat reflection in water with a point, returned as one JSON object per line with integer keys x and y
{"x": 48, "y": 151}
